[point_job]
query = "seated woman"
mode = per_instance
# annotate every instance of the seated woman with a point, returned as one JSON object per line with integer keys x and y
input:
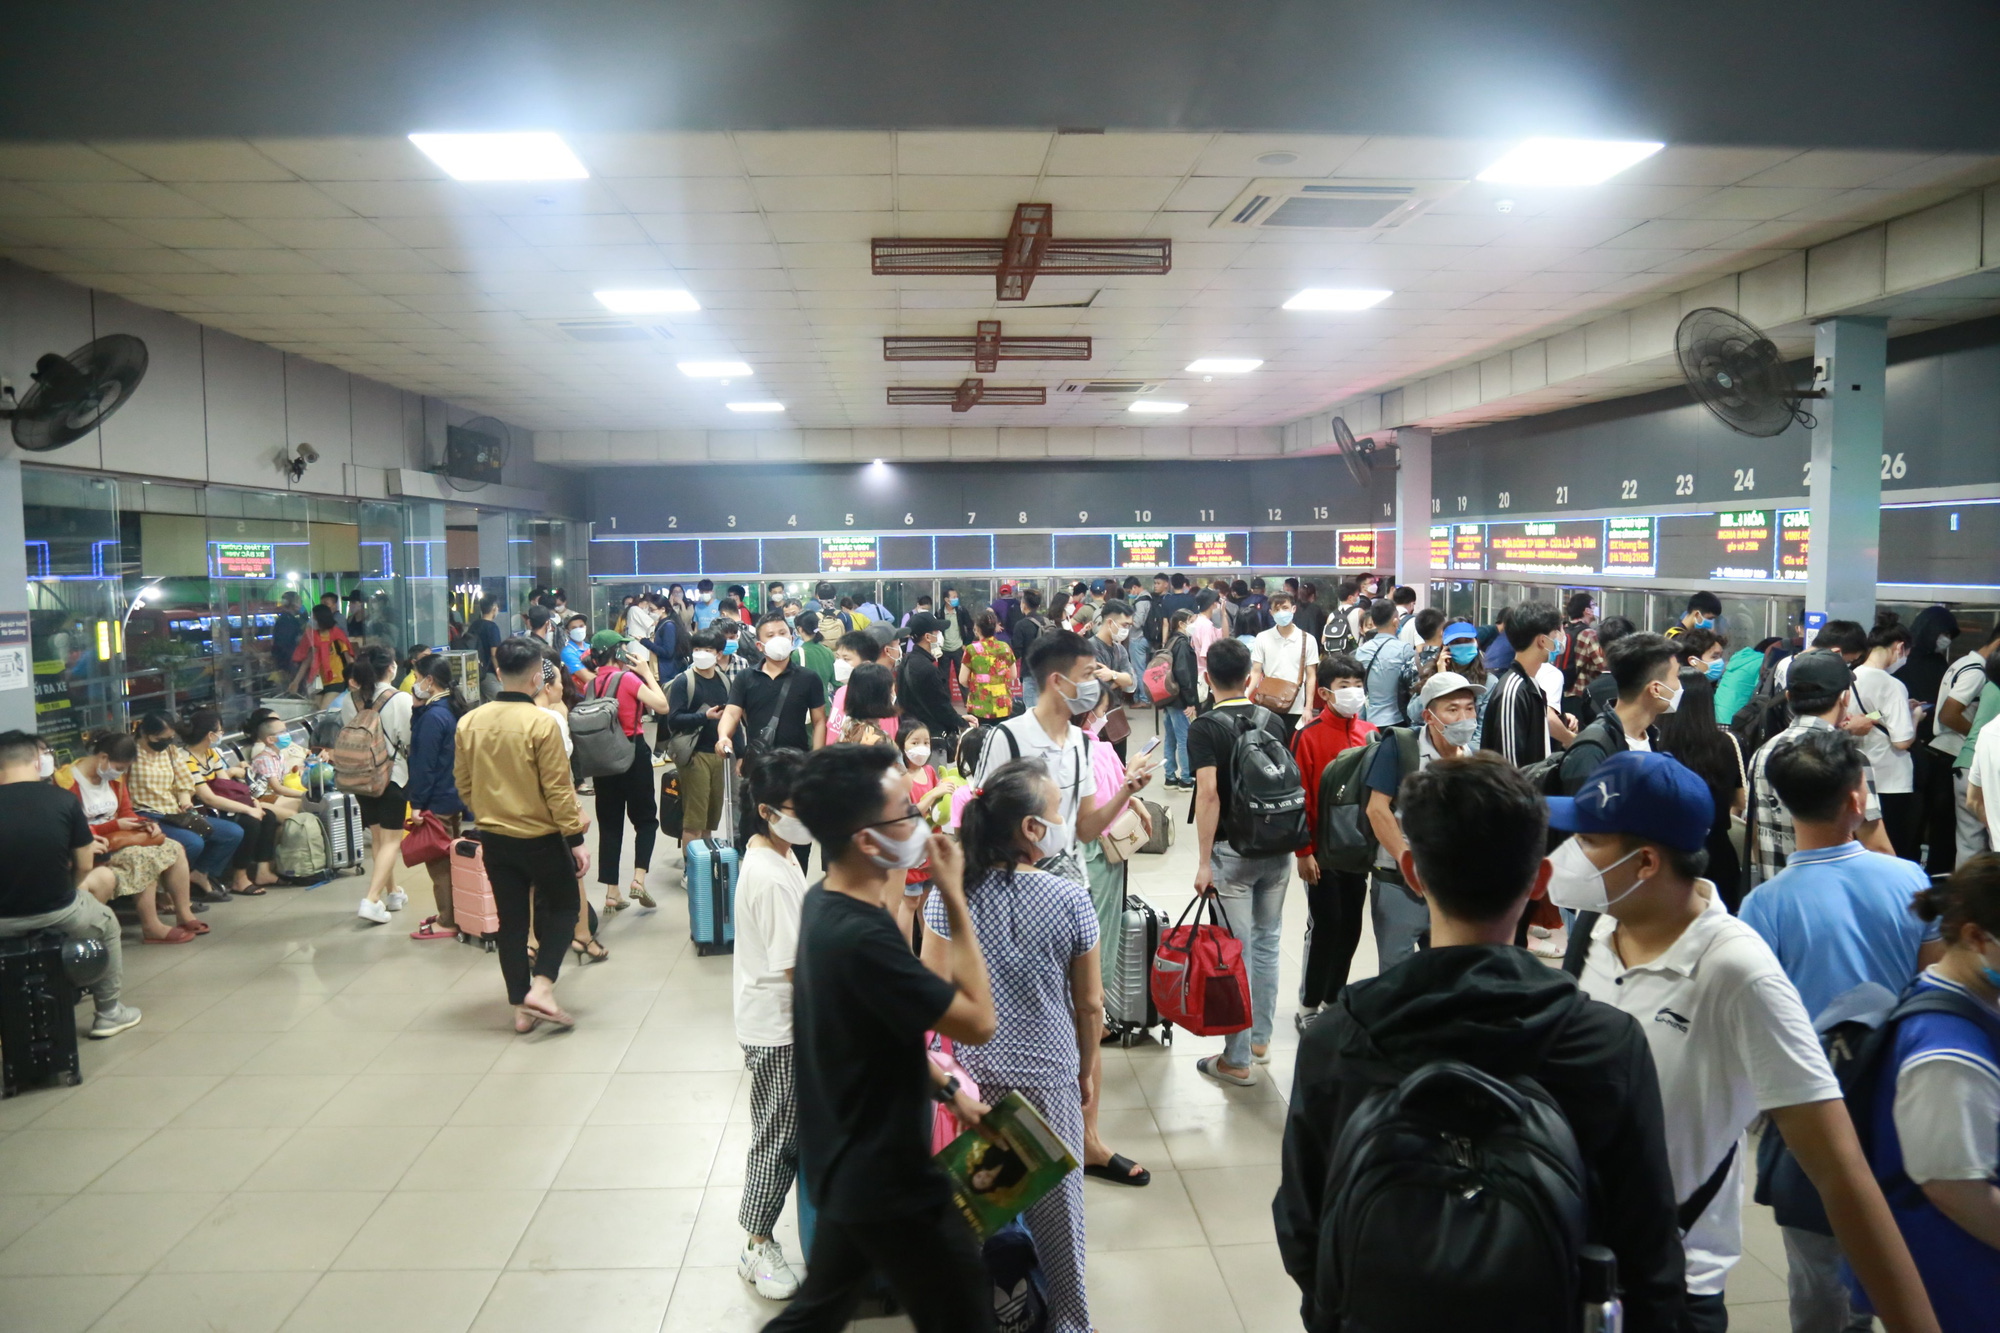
{"x": 150, "y": 861}
{"x": 221, "y": 789}
{"x": 1936, "y": 1117}
{"x": 163, "y": 790}
{"x": 1038, "y": 934}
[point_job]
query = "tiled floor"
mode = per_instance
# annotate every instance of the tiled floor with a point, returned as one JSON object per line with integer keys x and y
{"x": 323, "y": 1125}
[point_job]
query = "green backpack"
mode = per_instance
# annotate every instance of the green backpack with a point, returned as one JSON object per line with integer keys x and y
{"x": 1343, "y": 839}
{"x": 301, "y": 850}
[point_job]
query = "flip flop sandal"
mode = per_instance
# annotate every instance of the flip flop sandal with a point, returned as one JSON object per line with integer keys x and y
{"x": 1120, "y": 1170}
{"x": 254, "y": 891}
{"x": 557, "y": 1017}
{"x": 431, "y": 930}
{"x": 198, "y": 928}
{"x": 178, "y": 935}
{"x": 1211, "y": 1065}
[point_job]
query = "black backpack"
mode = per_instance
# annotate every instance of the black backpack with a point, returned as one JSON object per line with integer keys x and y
{"x": 1345, "y": 840}
{"x": 1338, "y": 636}
{"x": 1487, "y": 1172}
{"x": 1567, "y": 662}
{"x": 1267, "y": 799}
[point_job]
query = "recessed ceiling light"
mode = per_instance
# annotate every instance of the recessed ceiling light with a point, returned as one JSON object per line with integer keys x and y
{"x": 1223, "y": 365}
{"x": 532, "y": 155}
{"x": 1558, "y": 162}
{"x": 710, "y": 370}
{"x": 1154, "y": 405}
{"x": 1338, "y": 298}
{"x": 647, "y": 301}
{"x": 1281, "y": 158}
{"x": 757, "y": 407}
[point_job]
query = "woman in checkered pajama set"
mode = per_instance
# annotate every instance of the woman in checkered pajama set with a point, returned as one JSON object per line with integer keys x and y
{"x": 1039, "y": 935}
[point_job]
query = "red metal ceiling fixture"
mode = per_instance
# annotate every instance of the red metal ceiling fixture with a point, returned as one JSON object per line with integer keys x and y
{"x": 966, "y": 395}
{"x": 986, "y": 349}
{"x": 1028, "y": 250}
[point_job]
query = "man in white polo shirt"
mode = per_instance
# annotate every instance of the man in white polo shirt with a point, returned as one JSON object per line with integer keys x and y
{"x": 1729, "y": 1035}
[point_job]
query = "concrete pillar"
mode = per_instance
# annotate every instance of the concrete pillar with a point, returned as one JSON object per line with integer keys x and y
{"x": 1413, "y": 510}
{"x": 494, "y": 560}
{"x": 1845, "y": 483}
{"x": 17, "y": 695}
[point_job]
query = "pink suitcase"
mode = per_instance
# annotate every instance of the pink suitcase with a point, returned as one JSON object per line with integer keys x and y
{"x": 471, "y": 894}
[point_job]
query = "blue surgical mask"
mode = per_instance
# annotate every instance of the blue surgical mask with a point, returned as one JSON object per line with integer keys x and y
{"x": 1707, "y": 622}
{"x": 1463, "y": 653}
{"x": 1282, "y": 617}
{"x": 1715, "y": 669}
{"x": 284, "y": 740}
{"x": 729, "y": 646}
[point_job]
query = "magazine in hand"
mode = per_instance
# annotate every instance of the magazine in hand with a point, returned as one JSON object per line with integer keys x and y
{"x": 992, "y": 1182}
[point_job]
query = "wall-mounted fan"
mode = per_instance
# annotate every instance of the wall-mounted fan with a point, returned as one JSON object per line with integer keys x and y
{"x": 73, "y": 394}
{"x": 1359, "y": 455}
{"x": 474, "y": 454}
{"x": 1735, "y": 371}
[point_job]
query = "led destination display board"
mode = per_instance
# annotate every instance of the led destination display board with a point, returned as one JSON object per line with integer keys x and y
{"x": 1145, "y": 550}
{"x": 242, "y": 560}
{"x": 848, "y": 555}
{"x": 1629, "y": 547}
{"x": 1211, "y": 550}
{"x": 1357, "y": 549}
{"x": 1794, "y": 542}
{"x": 1559, "y": 547}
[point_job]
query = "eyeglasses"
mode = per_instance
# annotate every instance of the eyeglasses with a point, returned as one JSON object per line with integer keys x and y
{"x": 904, "y": 818}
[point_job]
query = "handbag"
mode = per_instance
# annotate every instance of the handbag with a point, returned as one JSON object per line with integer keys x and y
{"x": 229, "y": 789}
{"x": 1126, "y": 834}
{"x": 1278, "y": 695}
{"x": 1117, "y": 726}
{"x": 680, "y": 744}
{"x": 1198, "y": 977}
{"x": 192, "y": 821}
{"x": 120, "y": 839}
{"x": 426, "y": 838}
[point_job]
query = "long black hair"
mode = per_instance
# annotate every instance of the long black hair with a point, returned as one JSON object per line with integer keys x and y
{"x": 437, "y": 671}
{"x": 1691, "y": 734}
{"x": 1013, "y": 792}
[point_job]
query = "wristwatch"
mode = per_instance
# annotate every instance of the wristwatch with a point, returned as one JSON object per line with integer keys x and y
{"x": 945, "y": 1092}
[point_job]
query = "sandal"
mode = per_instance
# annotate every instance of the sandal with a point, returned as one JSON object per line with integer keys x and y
{"x": 638, "y": 893}
{"x": 431, "y": 930}
{"x": 590, "y": 951}
{"x": 197, "y": 928}
{"x": 178, "y": 935}
{"x": 613, "y": 902}
{"x": 251, "y": 891}
{"x": 1120, "y": 1170}
{"x": 555, "y": 1016}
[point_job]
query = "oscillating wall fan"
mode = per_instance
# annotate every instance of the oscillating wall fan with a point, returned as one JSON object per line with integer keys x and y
{"x": 73, "y": 394}
{"x": 1359, "y": 455}
{"x": 1734, "y": 371}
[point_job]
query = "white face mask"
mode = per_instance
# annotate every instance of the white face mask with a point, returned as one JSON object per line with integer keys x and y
{"x": 48, "y": 766}
{"x": 1575, "y": 881}
{"x": 1055, "y": 840}
{"x": 1944, "y": 643}
{"x": 787, "y": 827}
{"x": 704, "y": 659}
{"x": 1122, "y": 633}
{"x": 578, "y": 634}
{"x": 1459, "y": 734}
{"x": 1349, "y": 700}
{"x": 842, "y": 669}
{"x": 918, "y": 755}
{"x": 778, "y": 647}
{"x": 905, "y": 854}
{"x": 1674, "y": 700}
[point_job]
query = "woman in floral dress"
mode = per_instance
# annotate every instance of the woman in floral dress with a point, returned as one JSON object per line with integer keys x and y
{"x": 987, "y": 676}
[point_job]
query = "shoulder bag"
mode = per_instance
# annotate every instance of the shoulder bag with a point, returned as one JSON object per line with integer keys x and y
{"x": 1279, "y": 695}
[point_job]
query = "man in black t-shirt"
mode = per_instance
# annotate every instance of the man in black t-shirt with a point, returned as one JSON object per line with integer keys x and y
{"x": 48, "y": 850}
{"x": 779, "y": 690}
{"x": 861, "y": 1003}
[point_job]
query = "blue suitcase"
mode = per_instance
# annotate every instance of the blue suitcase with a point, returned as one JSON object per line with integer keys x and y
{"x": 710, "y": 875}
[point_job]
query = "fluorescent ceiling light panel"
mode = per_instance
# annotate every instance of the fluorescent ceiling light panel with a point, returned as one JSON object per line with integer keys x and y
{"x": 715, "y": 370}
{"x": 757, "y": 407}
{"x": 1154, "y": 405}
{"x": 1560, "y": 162}
{"x": 531, "y": 155}
{"x": 1224, "y": 365}
{"x": 647, "y": 301}
{"x": 1338, "y": 298}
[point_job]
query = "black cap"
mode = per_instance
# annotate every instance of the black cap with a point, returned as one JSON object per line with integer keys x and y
{"x": 1816, "y": 680}
{"x": 1206, "y": 598}
{"x": 922, "y": 623}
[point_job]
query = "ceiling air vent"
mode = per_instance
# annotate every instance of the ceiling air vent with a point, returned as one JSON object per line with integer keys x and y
{"x": 1087, "y": 387}
{"x": 612, "y": 331}
{"x": 1331, "y": 205}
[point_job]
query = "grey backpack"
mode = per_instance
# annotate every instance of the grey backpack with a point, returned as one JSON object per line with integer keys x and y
{"x": 599, "y": 747}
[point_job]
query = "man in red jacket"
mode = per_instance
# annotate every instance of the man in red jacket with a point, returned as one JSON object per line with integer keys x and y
{"x": 1334, "y": 899}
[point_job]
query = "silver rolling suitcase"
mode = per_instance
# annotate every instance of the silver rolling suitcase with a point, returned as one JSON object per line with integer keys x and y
{"x": 1128, "y": 997}
{"x": 346, "y": 840}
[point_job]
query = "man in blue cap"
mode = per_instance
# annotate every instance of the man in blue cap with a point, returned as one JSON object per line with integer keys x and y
{"x": 1729, "y": 1035}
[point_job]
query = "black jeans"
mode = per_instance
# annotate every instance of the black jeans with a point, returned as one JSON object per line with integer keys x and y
{"x": 931, "y": 1262}
{"x": 520, "y": 869}
{"x": 260, "y": 838}
{"x": 1333, "y": 932}
{"x": 1704, "y": 1314}
{"x": 949, "y": 664}
{"x": 623, "y": 795}
{"x": 1902, "y": 816}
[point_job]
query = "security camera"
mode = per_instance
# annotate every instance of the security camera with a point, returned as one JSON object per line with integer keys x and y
{"x": 294, "y": 465}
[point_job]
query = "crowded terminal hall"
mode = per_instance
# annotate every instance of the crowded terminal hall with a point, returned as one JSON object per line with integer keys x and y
{"x": 1028, "y": 669}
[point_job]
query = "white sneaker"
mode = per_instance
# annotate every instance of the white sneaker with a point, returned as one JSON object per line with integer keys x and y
{"x": 764, "y": 1267}
{"x": 396, "y": 900}
{"x": 109, "y": 1023}
{"x": 372, "y": 911}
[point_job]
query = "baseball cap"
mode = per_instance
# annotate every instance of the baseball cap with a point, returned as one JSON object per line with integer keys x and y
{"x": 606, "y": 639}
{"x": 1816, "y": 680}
{"x": 1443, "y": 683}
{"x": 1206, "y": 598}
{"x": 882, "y": 632}
{"x": 1460, "y": 629}
{"x": 922, "y": 623}
{"x": 1641, "y": 793}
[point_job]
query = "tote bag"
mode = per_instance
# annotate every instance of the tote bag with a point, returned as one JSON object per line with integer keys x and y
{"x": 1198, "y": 979}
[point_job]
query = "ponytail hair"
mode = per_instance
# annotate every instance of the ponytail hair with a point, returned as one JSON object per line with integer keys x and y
{"x": 1971, "y": 896}
{"x": 437, "y": 671}
{"x": 366, "y": 673}
{"x": 993, "y": 816}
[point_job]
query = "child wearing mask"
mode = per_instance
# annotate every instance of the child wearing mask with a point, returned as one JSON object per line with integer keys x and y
{"x": 1334, "y": 899}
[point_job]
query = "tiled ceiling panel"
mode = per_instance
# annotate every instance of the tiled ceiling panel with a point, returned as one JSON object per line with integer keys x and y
{"x": 358, "y": 252}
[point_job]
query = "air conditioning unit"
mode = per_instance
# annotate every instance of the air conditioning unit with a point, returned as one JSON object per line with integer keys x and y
{"x": 1083, "y": 387}
{"x": 611, "y": 330}
{"x": 1330, "y": 205}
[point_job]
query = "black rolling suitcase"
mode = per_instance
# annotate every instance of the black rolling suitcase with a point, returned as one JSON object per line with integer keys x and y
{"x": 37, "y": 1014}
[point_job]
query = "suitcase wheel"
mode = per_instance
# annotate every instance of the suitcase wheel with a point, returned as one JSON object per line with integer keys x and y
{"x": 1127, "y": 1038}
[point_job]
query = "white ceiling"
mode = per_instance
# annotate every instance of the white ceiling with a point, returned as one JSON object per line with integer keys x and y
{"x": 359, "y": 253}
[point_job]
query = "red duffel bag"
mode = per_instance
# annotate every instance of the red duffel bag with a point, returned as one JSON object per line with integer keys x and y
{"x": 1199, "y": 981}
